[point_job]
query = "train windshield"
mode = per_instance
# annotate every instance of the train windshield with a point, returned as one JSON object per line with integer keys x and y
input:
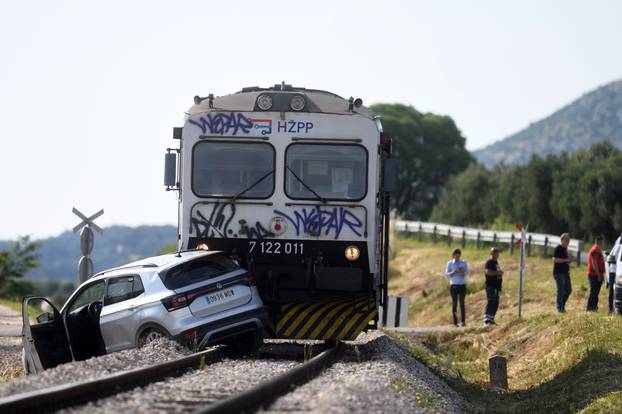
{"x": 326, "y": 171}
{"x": 233, "y": 169}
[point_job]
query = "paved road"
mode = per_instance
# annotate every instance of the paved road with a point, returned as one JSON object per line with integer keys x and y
{"x": 10, "y": 322}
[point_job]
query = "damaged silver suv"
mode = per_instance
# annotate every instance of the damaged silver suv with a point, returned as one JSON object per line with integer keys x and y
{"x": 195, "y": 297}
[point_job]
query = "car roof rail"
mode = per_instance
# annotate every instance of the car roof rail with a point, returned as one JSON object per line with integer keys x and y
{"x": 140, "y": 266}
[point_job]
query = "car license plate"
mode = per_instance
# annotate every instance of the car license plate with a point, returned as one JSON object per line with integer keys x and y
{"x": 275, "y": 247}
{"x": 219, "y": 296}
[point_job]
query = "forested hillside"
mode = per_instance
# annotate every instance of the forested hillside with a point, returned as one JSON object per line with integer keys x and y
{"x": 594, "y": 117}
{"x": 117, "y": 245}
{"x": 577, "y": 192}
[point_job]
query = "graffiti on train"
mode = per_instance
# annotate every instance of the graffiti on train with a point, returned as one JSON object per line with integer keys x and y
{"x": 218, "y": 223}
{"x": 317, "y": 221}
{"x": 221, "y": 124}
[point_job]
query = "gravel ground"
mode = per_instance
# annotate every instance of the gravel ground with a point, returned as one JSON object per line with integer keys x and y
{"x": 10, "y": 358}
{"x": 200, "y": 387}
{"x": 158, "y": 351}
{"x": 377, "y": 376}
{"x": 10, "y": 346}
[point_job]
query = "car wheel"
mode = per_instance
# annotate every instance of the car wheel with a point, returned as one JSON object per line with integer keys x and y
{"x": 245, "y": 344}
{"x": 150, "y": 335}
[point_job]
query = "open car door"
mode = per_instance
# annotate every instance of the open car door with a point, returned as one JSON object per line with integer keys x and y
{"x": 45, "y": 340}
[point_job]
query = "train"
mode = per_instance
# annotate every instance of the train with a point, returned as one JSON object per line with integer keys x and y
{"x": 295, "y": 185}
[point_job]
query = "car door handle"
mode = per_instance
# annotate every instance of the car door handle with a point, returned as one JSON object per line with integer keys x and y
{"x": 133, "y": 308}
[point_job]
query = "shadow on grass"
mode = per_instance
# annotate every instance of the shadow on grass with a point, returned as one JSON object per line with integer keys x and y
{"x": 596, "y": 375}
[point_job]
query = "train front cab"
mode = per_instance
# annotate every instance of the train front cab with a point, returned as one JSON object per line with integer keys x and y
{"x": 284, "y": 222}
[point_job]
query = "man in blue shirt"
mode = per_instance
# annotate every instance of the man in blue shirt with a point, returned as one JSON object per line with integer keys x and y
{"x": 456, "y": 271}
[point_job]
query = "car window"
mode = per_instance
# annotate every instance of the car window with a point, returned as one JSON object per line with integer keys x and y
{"x": 123, "y": 288}
{"x": 90, "y": 294}
{"x": 138, "y": 286}
{"x": 198, "y": 270}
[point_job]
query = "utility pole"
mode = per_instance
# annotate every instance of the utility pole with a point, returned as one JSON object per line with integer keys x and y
{"x": 87, "y": 240}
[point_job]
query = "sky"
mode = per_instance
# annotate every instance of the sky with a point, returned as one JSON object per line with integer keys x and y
{"x": 90, "y": 91}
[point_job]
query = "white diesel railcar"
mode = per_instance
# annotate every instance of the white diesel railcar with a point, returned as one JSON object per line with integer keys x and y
{"x": 294, "y": 184}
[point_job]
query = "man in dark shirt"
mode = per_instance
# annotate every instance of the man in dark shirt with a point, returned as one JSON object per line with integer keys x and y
{"x": 561, "y": 272}
{"x": 595, "y": 273}
{"x": 494, "y": 276}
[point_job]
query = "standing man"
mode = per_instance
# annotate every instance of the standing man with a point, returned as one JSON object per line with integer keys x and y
{"x": 612, "y": 261}
{"x": 456, "y": 271}
{"x": 494, "y": 276}
{"x": 561, "y": 272}
{"x": 595, "y": 273}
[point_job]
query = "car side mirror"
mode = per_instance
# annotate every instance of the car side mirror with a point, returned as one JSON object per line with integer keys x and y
{"x": 45, "y": 317}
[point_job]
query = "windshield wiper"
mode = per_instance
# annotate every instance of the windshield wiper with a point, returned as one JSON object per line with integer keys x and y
{"x": 263, "y": 177}
{"x": 319, "y": 197}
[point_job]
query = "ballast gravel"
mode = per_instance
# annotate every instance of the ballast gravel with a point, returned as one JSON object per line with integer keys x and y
{"x": 376, "y": 376}
{"x": 200, "y": 387}
{"x": 10, "y": 358}
{"x": 156, "y": 352}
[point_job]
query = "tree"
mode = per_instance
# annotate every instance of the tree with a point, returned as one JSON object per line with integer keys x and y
{"x": 469, "y": 199}
{"x": 578, "y": 193}
{"x": 429, "y": 149}
{"x": 15, "y": 263}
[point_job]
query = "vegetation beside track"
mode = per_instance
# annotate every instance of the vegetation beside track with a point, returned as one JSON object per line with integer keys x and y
{"x": 556, "y": 362}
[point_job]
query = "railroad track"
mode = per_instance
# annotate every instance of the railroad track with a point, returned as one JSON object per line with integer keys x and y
{"x": 75, "y": 394}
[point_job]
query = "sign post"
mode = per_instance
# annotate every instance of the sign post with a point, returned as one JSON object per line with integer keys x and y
{"x": 87, "y": 240}
{"x": 523, "y": 237}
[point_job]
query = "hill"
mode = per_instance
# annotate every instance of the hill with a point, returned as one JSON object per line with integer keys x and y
{"x": 594, "y": 117}
{"x": 117, "y": 245}
{"x": 559, "y": 363}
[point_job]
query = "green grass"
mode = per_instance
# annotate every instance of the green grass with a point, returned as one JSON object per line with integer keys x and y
{"x": 557, "y": 363}
{"x": 16, "y": 306}
{"x": 418, "y": 273}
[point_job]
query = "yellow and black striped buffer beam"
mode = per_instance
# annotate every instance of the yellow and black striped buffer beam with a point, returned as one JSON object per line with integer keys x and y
{"x": 342, "y": 319}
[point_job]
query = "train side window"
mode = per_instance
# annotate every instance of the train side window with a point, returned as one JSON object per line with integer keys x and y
{"x": 333, "y": 171}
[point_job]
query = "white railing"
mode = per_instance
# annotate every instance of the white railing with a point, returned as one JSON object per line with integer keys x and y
{"x": 547, "y": 241}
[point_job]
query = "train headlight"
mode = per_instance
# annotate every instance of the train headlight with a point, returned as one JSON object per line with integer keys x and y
{"x": 297, "y": 103}
{"x": 352, "y": 253}
{"x": 202, "y": 246}
{"x": 264, "y": 102}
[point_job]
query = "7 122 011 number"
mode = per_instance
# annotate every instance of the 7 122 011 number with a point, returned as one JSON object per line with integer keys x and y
{"x": 270, "y": 247}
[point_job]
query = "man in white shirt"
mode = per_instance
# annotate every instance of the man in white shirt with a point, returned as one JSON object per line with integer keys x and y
{"x": 456, "y": 271}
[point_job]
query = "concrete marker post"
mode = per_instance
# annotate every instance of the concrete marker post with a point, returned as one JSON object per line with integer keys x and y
{"x": 498, "y": 369}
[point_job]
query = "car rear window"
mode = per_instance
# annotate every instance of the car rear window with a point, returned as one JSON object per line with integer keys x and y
{"x": 198, "y": 270}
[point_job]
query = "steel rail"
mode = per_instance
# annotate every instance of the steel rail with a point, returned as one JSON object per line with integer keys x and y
{"x": 48, "y": 399}
{"x": 265, "y": 393}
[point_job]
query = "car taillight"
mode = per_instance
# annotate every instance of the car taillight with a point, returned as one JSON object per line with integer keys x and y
{"x": 191, "y": 334}
{"x": 175, "y": 302}
{"x": 385, "y": 138}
